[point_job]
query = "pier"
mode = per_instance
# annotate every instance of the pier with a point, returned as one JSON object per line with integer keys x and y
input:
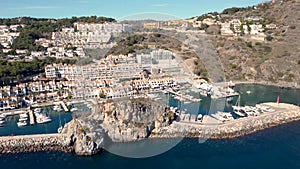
{"x": 31, "y": 117}
{"x": 14, "y": 112}
{"x": 189, "y": 98}
{"x": 63, "y": 105}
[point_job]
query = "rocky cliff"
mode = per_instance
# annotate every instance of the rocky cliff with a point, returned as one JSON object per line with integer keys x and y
{"x": 118, "y": 121}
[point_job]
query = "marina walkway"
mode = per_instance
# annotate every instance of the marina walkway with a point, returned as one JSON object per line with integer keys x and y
{"x": 31, "y": 117}
{"x": 182, "y": 96}
{"x": 63, "y": 105}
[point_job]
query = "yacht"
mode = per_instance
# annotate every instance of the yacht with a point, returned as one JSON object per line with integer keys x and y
{"x": 57, "y": 108}
{"x": 199, "y": 117}
{"x": 165, "y": 92}
{"x": 59, "y": 130}
{"x": 23, "y": 119}
{"x": 42, "y": 118}
{"x": 2, "y": 116}
{"x": 74, "y": 109}
{"x": 222, "y": 116}
{"x": 2, "y": 122}
{"x": 22, "y": 123}
{"x": 37, "y": 110}
{"x": 238, "y": 110}
{"x": 24, "y": 115}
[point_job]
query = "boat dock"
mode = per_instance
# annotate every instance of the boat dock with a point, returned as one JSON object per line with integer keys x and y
{"x": 63, "y": 105}
{"x": 14, "y": 112}
{"x": 31, "y": 117}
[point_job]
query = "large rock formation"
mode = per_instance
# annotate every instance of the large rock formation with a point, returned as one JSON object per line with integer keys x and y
{"x": 119, "y": 121}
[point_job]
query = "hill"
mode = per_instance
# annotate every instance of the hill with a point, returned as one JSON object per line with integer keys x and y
{"x": 275, "y": 60}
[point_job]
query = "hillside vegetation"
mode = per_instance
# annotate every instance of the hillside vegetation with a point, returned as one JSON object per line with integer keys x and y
{"x": 276, "y": 60}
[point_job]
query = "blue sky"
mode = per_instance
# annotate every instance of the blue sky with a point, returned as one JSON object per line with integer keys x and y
{"x": 116, "y": 8}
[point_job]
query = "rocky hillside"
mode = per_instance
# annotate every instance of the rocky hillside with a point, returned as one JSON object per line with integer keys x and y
{"x": 276, "y": 60}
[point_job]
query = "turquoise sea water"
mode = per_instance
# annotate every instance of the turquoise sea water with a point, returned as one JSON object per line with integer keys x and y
{"x": 274, "y": 148}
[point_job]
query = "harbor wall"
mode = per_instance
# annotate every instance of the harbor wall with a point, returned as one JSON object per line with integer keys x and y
{"x": 34, "y": 143}
{"x": 284, "y": 113}
{"x": 76, "y": 137}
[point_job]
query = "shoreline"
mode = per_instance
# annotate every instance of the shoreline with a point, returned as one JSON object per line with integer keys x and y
{"x": 282, "y": 114}
{"x": 284, "y": 85}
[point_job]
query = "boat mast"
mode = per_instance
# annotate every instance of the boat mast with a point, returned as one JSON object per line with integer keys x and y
{"x": 238, "y": 101}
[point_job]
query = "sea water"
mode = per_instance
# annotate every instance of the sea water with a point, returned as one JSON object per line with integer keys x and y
{"x": 274, "y": 148}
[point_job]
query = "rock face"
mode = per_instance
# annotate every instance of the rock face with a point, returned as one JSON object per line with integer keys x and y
{"x": 133, "y": 120}
{"x": 119, "y": 121}
{"x": 85, "y": 142}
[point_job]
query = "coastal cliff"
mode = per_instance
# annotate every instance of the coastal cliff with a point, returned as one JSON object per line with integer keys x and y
{"x": 119, "y": 121}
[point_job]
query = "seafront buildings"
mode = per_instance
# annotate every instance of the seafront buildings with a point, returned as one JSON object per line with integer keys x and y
{"x": 118, "y": 76}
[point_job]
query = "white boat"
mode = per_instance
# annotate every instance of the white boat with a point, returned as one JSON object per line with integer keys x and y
{"x": 59, "y": 130}
{"x": 199, "y": 117}
{"x": 22, "y": 123}
{"x": 57, "y": 108}
{"x": 38, "y": 109}
{"x": 237, "y": 109}
{"x": 41, "y": 118}
{"x": 74, "y": 109}
{"x": 2, "y": 116}
{"x": 165, "y": 92}
{"x": 24, "y": 115}
{"x": 2, "y": 122}
{"x": 222, "y": 116}
{"x": 23, "y": 119}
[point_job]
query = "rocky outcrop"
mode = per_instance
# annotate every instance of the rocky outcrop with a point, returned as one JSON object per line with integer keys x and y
{"x": 83, "y": 139}
{"x": 134, "y": 119}
{"x": 118, "y": 121}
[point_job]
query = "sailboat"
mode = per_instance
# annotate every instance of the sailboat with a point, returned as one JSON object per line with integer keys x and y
{"x": 59, "y": 130}
{"x": 237, "y": 109}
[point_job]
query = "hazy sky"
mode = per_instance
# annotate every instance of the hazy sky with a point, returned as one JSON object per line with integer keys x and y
{"x": 115, "y": 8}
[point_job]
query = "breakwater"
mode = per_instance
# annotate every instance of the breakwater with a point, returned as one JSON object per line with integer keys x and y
{"x": 83, "y": 138}
{"x": 34, "y": 143}
{"x": 283, "y": 113}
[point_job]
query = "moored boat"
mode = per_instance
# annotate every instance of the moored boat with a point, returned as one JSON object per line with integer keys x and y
{"x": 21, "y": 123}
{"x": 222, "y": 116}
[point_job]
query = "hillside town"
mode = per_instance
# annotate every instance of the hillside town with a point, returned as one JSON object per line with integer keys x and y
{"x": 115, "y": 75}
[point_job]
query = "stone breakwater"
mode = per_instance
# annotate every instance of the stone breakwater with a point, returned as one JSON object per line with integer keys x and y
{"x": 283, "y": 113}
{"x": 88, "y": 136}
{"x": 34, "y": 143}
